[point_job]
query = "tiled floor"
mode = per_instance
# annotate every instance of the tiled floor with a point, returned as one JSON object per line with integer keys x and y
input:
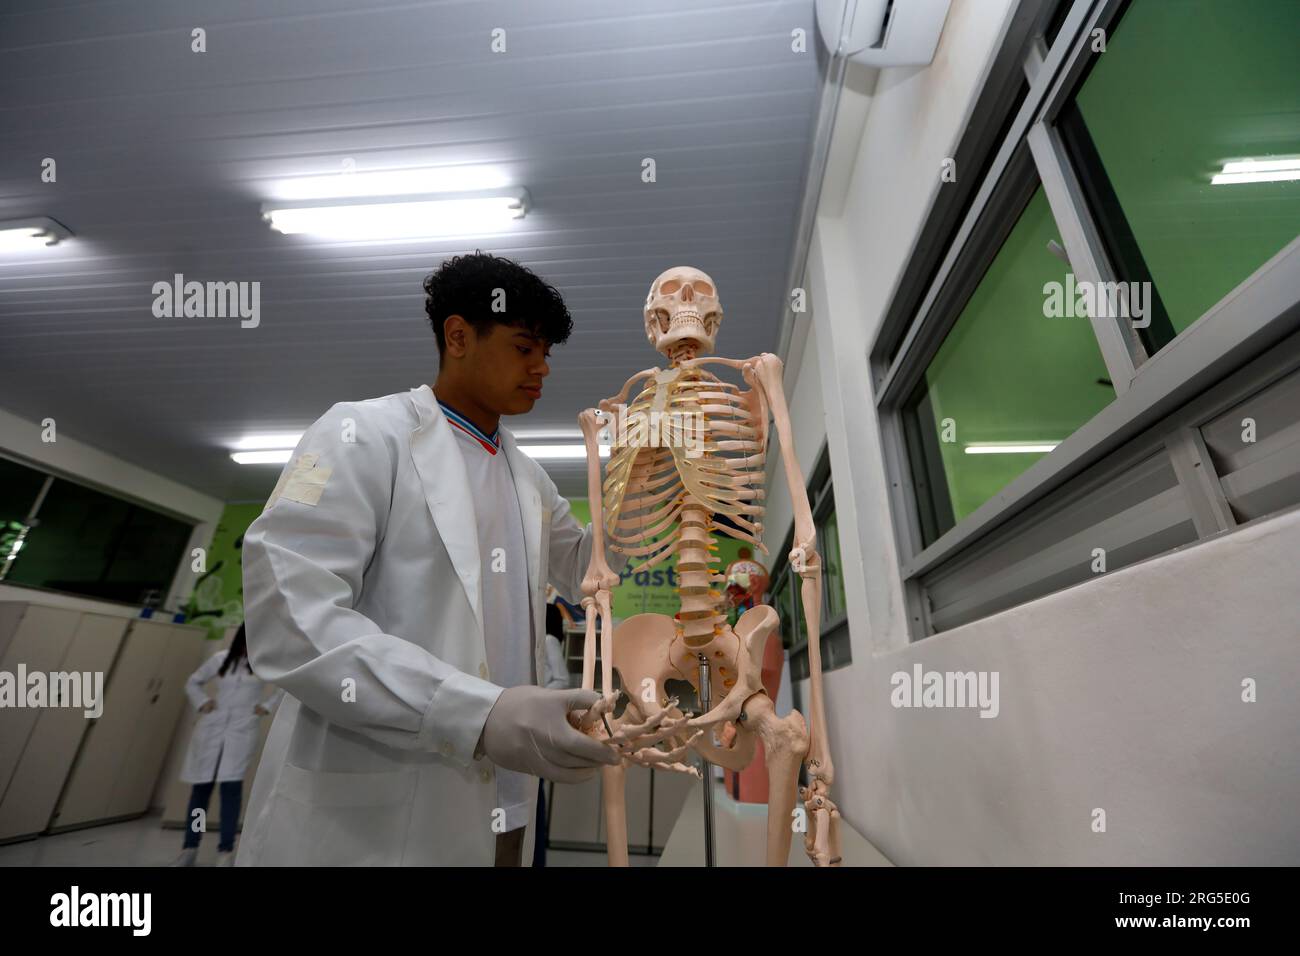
{"x": 139, "y": 842}
{"x": 143, "y": 842}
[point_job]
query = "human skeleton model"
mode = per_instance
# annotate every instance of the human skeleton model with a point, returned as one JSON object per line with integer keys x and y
{"x": 663, "y": 488}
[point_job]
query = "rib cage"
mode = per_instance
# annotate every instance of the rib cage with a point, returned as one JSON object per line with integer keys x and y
{"x": 660, "y": 500}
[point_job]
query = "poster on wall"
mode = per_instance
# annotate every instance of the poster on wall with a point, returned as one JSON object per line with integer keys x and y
{"x": 654, "y": 591}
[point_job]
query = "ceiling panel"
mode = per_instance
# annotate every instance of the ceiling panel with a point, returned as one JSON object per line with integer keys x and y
{"x": 165, "y": 156}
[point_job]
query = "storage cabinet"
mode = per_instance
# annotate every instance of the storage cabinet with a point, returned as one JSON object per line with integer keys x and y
{"x": 45, "y": 757}
{"x": 34, "y": 639}
{"x": 161, "y": 709}
{"x": 118, "y": 765}
{"x": 653, "y": 798}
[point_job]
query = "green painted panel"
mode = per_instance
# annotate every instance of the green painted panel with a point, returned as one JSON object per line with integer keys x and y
{"x": 1009, "y": 373}
{"x": 1183, "y": 87}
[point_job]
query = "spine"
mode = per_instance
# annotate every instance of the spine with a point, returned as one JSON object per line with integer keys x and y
{"x": 701, "y": 617}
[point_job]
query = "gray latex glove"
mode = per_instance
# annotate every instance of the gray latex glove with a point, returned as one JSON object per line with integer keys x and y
{"x": 528, "y": 730}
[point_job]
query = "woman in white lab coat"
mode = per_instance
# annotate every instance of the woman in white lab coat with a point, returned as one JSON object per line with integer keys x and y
{"x": 223, "y": 743}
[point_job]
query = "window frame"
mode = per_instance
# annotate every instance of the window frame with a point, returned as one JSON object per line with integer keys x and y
{"x": 1261, "y": 311}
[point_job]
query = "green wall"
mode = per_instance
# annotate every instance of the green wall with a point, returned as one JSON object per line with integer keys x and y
{"x": 217, "y": 601}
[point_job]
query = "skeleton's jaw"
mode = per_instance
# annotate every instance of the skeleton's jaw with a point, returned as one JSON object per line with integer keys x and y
{"x": 687, "y": 332}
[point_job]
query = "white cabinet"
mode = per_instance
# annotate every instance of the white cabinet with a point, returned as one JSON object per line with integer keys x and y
{"x": 117, "y": 768}
{"x": 35, "y": 765}
{"x": 577, "y": 811}
{"x": 33, "y": 639}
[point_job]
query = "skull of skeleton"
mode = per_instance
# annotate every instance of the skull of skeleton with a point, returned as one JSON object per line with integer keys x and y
{"x": 682, "y": 307}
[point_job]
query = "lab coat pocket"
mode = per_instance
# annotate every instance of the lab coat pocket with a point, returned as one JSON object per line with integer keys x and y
{"x": 342, "y": 819}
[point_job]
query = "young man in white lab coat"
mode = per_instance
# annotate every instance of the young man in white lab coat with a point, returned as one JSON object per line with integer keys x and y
{"x": 395, "y": 587}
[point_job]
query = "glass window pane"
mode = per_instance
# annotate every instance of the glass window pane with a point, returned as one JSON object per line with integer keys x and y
{"x": 1057, "y": 20}
{"x": 87, "y": 542}
{"x": 147, "y": 557}
{"x": 74, "y": 537}
{"x": 786, "y": 606}
{"x": 1007, "y": 384}
{"x": 832, "y": 569}
{"x": 19, "y": 486}
{"x": 1182, "y": 90}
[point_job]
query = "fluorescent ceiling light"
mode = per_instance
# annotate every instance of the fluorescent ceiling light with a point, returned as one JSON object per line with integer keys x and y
{"x": 390, "y": 182}
{"x": 544, "y": 435}
{"x": 278, "y": 456}
{"x": 23, "y": 235}
{"x": 559, "y": 452}
{"x": 281, "y": 440}
{"x": 1010, "y": 448}
{"x": 1258, "y": 171}
{"x": 400, "y": 217}
{"x": 274, "y": 456}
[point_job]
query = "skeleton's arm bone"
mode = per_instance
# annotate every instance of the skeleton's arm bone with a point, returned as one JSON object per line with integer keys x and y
{"x": 600, "y": 578}
{"x": 767, "y": 374}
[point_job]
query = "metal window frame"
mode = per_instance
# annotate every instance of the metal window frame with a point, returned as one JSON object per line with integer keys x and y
{"x": 1260, "y": 311}
{"x": 1198, "y": 485}
{"x": 996, "y": 102}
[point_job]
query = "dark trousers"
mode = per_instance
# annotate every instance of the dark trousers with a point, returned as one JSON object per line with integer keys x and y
{"x": 543, "y": 837}
{"x": 231, "y": 793}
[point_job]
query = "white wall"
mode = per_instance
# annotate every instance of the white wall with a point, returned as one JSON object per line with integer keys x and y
{"x": 1123, "y": 693}
{"x": 68, "y": 457}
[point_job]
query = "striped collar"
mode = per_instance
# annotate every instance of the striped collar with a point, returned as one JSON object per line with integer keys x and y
{"x": 490, "y": 443}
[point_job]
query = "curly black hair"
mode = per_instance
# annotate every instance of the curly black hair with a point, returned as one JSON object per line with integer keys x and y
{"x": 466, "y": 286}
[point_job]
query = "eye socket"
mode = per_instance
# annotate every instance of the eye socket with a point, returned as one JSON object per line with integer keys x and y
{"x": 701, "y": 287}
{"x": 669, "y": 287}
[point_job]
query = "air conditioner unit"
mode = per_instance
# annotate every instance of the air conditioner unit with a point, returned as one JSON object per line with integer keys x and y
{"x": 882, "y": 32}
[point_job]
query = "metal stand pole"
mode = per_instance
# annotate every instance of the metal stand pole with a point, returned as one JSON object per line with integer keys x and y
{"x": 705, "y": 706}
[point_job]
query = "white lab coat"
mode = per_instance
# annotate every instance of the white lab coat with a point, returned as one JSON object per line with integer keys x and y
{"x": 365, "y": 606}
{"x": 557, "y": 669}
{"x": 225, "y": 737}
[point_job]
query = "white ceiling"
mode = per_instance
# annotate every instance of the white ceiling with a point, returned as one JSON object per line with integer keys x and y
{"x": 165, "y": 155}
